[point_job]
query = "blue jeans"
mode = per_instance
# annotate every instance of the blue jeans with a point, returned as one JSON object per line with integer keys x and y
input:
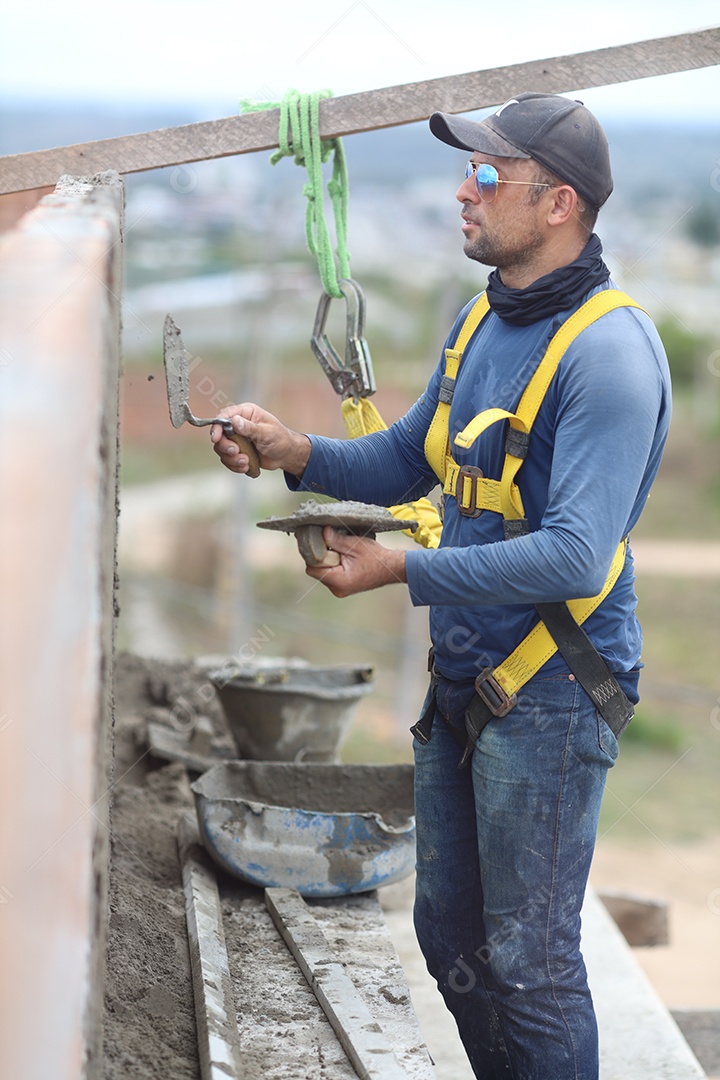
{"x": 503, "y": 854}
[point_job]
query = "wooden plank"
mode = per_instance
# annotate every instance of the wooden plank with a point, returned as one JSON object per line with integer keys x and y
{"x": 387, "y": 107}
{"x": 361, "y": 1037}
{"x": 218, "y": 1038}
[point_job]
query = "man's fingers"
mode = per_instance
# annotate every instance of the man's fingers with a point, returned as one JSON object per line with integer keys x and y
{"x": 337, "y": 540}
{"x": 332, "y": 577}
{"x": 342, "y": 542}
{"x": 243, "y": 425}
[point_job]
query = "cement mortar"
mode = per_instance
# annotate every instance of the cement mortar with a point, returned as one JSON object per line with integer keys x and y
{"x": 150, "y": 1028}
{"x": 355, "y": 517}
{"x": 386, "y": 790}
{"x": 150, "y": 1014}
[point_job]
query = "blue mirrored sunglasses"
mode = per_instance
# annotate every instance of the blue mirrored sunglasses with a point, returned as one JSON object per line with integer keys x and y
{"x": 487, "y": 180}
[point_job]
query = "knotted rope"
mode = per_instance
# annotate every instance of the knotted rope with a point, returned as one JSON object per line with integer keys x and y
{"x": 299, "y": 138}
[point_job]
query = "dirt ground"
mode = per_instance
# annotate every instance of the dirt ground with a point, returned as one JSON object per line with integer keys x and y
{"x": 150, "y": 1018}
{"x": 686, "y": 972}
{"x": 149, "y": 1009}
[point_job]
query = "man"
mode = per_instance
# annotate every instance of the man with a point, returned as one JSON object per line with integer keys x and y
{"x": 505, "y": 844}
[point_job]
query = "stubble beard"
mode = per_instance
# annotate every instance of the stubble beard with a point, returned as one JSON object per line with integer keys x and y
{"x": 503, "y": 252}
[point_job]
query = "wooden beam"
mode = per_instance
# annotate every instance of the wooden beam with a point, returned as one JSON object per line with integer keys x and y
{"x": 367, "y": 111}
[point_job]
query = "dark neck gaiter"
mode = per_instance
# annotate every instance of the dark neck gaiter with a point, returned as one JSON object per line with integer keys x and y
{"x": 557, "y": 291}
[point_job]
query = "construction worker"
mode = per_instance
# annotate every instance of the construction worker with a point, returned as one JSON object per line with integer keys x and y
{"x": 542, "y": 485}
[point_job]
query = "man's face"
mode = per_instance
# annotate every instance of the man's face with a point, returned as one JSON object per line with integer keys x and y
{"x": 506, "y": 232}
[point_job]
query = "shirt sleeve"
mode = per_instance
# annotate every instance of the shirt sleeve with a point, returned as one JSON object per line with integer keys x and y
{"x": 611, "y": 401}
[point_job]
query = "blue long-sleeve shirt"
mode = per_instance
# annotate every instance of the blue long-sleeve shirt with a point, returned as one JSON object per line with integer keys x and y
{"x": 594, "y": 451}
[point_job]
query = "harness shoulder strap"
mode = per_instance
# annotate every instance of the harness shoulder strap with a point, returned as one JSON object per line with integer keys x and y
{"x": 593, "y": 309}
{"x": 437, "y": 448}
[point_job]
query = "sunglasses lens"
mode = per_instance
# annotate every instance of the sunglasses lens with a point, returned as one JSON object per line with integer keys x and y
{"x": 486, "y": 178}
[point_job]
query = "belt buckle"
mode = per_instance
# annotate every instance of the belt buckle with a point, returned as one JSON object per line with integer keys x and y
{"x": 489, "y": 689}
{"x": 472, "y": 473}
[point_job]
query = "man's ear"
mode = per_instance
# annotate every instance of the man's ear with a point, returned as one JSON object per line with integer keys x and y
{"x": 564, "y": 206}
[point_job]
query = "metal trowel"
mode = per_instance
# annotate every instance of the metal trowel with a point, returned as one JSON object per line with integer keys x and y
{"x": 177, "y": 376}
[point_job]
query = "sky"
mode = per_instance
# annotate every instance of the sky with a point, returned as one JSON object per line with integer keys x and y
{"x": 210, "y": 55}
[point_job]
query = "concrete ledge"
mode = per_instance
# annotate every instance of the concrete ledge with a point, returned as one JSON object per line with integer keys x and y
{"x": 639, "y": 1040}
{"x": 59, "y": 363}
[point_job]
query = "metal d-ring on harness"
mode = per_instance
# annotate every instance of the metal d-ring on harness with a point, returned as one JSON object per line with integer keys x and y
{"x": 352, "y": 376}
{"x": 559, "y": 628}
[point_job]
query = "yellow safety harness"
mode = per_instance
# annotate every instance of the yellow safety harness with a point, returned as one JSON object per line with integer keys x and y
{"x": 474, "y": 492}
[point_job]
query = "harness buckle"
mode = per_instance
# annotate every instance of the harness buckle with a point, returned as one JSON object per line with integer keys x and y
{"x": 491, "y": 692}
{"x": 471, "y": 473}
{"x": 352, "y": 376}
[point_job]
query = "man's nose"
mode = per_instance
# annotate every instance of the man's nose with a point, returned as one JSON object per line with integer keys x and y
{"x": 468, "y": 192}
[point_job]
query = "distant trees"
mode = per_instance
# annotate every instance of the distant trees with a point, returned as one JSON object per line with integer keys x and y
{"x": 703, "y": 223}
{"x": 687, "y": 352}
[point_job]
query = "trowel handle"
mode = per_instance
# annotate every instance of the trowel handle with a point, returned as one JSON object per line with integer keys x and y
{"x": 313, "y": 548}
{"x": 246, "y": 447}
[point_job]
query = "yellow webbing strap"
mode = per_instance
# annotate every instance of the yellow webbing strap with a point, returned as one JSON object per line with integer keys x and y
{"x": 362, "y": 418}
{"x": 501, "y": 496}
{"x": 535, "y": 649}
{"x": 437, "y": 446}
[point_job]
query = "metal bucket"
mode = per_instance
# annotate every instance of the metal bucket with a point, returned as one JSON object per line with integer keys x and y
{"x": 325, "y": 830}
{"x": 290, "y": 711}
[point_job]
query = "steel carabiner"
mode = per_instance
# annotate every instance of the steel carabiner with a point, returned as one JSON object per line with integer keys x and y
{"x": 352, "y": 376}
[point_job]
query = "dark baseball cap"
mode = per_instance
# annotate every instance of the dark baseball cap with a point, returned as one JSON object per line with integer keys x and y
{"x": 556, "y": 131}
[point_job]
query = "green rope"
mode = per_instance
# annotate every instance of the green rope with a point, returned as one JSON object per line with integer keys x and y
{"x": 299, "y": 138}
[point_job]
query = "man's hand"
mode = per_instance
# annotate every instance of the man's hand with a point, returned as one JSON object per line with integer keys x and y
{"x": 278, "y": 447}
{"x": 364, "y": 564}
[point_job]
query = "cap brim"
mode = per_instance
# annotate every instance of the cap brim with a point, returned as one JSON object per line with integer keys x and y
{"x": 473, "y": 136}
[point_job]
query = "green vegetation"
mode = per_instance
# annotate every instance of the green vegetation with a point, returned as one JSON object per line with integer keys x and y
{"x": 655, "y": 731}
{"x": 703, "y": 224}
{"x": 665, "y": 781}
{"x": 687, "y": 352}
